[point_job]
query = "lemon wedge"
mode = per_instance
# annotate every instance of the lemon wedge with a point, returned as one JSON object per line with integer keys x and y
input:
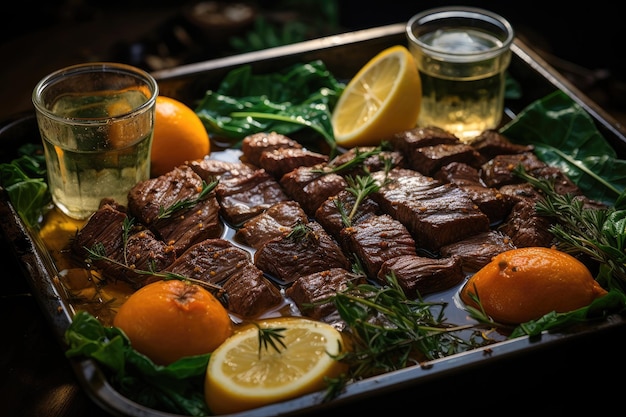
{"x": 240, "y": 376}
{"x": 383, "y": 98}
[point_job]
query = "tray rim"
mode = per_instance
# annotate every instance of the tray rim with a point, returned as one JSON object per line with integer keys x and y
{"x": 37, "y": 266}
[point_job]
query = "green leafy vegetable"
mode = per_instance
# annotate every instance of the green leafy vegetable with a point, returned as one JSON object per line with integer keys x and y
{"x": 176, "y": 388}
{"x": 284, "y": 102}
{"x": 565, "y": 136}
{"x": 24, "y": 180}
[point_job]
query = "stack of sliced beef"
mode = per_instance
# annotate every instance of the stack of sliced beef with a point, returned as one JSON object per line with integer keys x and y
{"x": 442, "y": 209}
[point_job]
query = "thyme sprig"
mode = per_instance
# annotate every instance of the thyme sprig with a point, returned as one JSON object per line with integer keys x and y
{"x": 360, "y": 156}
{"x": 166, "y": 212}
{"x": 271, "y": 337}
{"x": 599, "y": 233}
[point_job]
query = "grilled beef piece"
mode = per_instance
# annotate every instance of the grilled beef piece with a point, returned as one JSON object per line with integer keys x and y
{"x": 435, "y": 213}
{"x": 309, "y": 291}
{"x": 311, "y": 188}
{"x": 562, "y": 183}
{"x": 212, "y": 261}
{"x": 287, "y": 258}
{"x": 372, "y": 163}
{"x": 491, "y": 143}
{"x": 408, "y": 141}
{"x": 419, "y": 276}
{"x": 376, "y": 240}
{"x": 254, "y": 145}
{"x": 143, "y": 250}
{"x": 277, "y": 220}
{"x": 330, "y": 217}
{"x": 489, "y": 200}
{"x": 527, "y": 228}
{"x": 519, "y": 192}
{"x": 210, "y": 169}
{"x": 249, "y": 293}
{"x": 498, "y": 171}
{"x": 280, "y": 161}
{"x": 429, "y": 159}
{"x": 245, "y": 196}
{"x": 478, "y": 250}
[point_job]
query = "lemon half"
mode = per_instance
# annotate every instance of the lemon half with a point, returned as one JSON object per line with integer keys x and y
{"x": 382, "y": 99}
{"x": 240, "y": 377}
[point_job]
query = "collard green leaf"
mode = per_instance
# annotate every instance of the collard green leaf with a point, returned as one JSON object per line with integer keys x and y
{"x": 564, "y": 135}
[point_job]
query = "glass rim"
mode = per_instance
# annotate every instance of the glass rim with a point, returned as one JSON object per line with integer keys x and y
{"x": 433, "y": 15}
{"x": 95, "y": 67}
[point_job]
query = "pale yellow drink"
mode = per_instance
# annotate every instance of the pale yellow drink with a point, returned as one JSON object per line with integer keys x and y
{"x": 462, "y": 56}
{"x": 97, "y": 138}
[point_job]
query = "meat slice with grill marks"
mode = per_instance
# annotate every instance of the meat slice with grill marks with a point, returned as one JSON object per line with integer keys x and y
{"x": 249, "y": 293}
{"x": 429, "y": 159}
{"x": 478, "y": 250}
{"x": 212, "y": 261}
{"x": 435, "y": 213}
{"x": 153, "y": 202}
{"x": 144, "y": 251}
{"x": 276, "y": 221}
{"x": 498, "y": 171}
{"x": 309, "y": 291}
{"x": 419, "y": 275}
{"x": 310, "y": 187}
{"x": 376, "y": 240}
{"x": 254, "y": 145}
{"x": 245, "y": 196}
{"x": 491, "y": 143}
{"x": 306, "y": 250}
{"x": 329, "y": 214}
{"x": 410, "y": 140}
{"x": 278, "y": 162}
{"x": 210, "y": 169}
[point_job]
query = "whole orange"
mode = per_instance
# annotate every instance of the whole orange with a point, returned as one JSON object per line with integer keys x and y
{"x": 524, "y": 284}
{"x": 179, "y": 136}
{"x": 169, "y": 319}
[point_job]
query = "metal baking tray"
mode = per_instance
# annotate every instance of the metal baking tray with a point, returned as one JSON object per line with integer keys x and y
{"x": 343, "y": 54}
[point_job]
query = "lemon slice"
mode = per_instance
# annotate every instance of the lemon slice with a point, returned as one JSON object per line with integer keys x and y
{"x": 240, "y": 376}
{"x": 383, "y": 98}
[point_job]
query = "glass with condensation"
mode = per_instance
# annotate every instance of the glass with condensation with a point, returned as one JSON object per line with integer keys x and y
{"x": 462, "y": 54}
{"x": 96, "y": 121}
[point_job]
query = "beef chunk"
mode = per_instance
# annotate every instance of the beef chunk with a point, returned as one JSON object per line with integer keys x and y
{"x": 310, "y": 187}
{"x": 459, "y": 173}
{"x": 305, "y": 251}
{"x": 435, "y": 214}
{"x": 277, "y": 220}
{"x": 491, "y": 143}
{"x": 375, "y": 240}
{"x": 280, "y": 161}
{"x": 498, "y": 171}
{"x": 419, "y": 276}
{"x": 212, "y": 261}
{"x": 254, "y": 145}
{"x": 478, "y": 250}
{"x": 246, "y": 196}
{"x": 429, "y": 159}
{"x": 408, "y": 141}
{"x": 249, "y": 293}
{"x": 526, "y": 227}
{"x": 309, "y": 291}
{"x": 144, "y": 251}
{"x": 210, "y": 169}
{"x": 330, "y": 216}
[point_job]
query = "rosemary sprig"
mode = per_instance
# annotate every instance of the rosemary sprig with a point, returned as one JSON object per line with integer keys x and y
{"x": 359, "y": 158}
{"x": 599, "y": 233}
{"x": 98, "y": 253}
{"x": 271, "y": 337}
{"x": 301, "y": 232}
{"x": 166, "y": 212}
{"x": 390, "y": 331}
{"x": 127, "y": 227}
